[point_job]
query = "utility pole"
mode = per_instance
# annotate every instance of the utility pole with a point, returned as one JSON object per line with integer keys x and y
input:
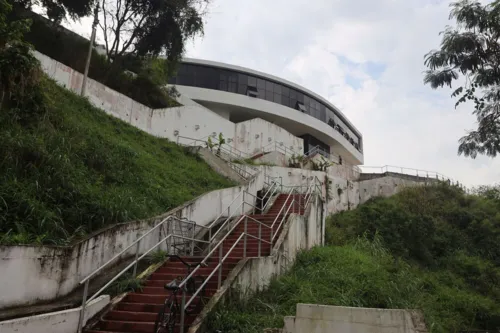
{"x": 91, "y": 48}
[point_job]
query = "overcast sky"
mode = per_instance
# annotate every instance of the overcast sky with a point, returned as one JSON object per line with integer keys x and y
{"x": 364, "y": 56}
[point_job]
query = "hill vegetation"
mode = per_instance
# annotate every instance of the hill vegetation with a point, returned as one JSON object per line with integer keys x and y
{"x": 69, "y": 169}
{"x": 429, "y": 248}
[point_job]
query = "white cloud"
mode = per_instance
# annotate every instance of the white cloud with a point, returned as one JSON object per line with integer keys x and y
{"x": 325, "y": 45}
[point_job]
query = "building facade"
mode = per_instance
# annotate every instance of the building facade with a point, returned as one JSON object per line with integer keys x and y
{"x": 239, "y": 94}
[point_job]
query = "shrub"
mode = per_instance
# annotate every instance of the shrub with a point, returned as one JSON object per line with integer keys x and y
{"x": 77, "y": 170}
{"x": 71, "y": 49}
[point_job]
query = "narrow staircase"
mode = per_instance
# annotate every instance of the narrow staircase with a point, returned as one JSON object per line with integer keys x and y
{"x": 137, "y": 311}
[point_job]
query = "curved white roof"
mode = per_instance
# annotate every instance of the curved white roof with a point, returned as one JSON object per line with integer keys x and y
{"x": 210, "y": 63}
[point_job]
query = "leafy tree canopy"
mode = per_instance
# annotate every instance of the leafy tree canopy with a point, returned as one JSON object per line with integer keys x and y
{"x": 148, "y": 28}
{"x": 470, "y": 54}
{"x": 58, "y": 9}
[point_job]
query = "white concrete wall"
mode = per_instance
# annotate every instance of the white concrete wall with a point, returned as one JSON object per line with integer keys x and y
{"x": 289, "y": 117}
{"x": 31, "y": 274}
{"x": 300, "y": 232}
{"x": 190, "y": 120}
{"x": 314, "y": 318}
{"x": 55, "y": 322}
{"x": 273, "y": 158}
{"x": 253, "y": 135}
{"x": 383, "y": 187}
{"x": 342, "y": 193}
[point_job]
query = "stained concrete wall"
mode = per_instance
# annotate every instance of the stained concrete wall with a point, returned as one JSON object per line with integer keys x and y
{"x": 253, "y": 135}
{"x": 386, "y": 186}
{"x": 33, "y": 274}
{"x": 252, "y": 274}
{"x": 300, "y": 233}
{"x": 190, "y": 120}
{"x": 55, "y": 322}
{"x": 273, "y": 158}
{"x": 313, "y": 318}
{"x": 343, "y": 194}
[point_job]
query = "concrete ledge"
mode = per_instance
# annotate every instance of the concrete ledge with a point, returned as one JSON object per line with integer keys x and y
{"x": 324, "y": 318}
{"x": 368, "y": 176}
{"x": 54, "y": 322}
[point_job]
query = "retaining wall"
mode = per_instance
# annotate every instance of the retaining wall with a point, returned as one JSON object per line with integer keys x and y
{"x": 35, "y": 274}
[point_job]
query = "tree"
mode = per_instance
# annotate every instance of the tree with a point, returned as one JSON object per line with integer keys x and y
{"x": 470, "y": 53}
{"x": 58, "y": 9}
{"x": 20, "y": 72}
{"x": 148, "y": 28}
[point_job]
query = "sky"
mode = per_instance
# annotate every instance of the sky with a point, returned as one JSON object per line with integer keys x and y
{"x": 364, "y": 56}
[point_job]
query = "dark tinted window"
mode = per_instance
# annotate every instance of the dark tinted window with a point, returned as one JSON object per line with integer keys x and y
{"x": 252, "y": 81}
{"x": 269, "y": 86}
{"x": 242, "y": 89}
{"x": 277, "y": 88}
{"x": 269, "y": 96}
{"x": 285, "y": 91}
{"x": 242, "y": 79}
{"x": 235, "y": 82}
{"x": 277, "y": 98}
{"x": 261, "y": 84}
{"x": 285, "y": 100}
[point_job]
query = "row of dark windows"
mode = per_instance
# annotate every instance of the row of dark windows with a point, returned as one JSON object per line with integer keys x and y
{"x": 240, "y": 83}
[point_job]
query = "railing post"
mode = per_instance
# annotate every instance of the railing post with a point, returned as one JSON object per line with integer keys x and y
{"x": 262, "y": 205}
{"x": 192, "y": 239}
{"x": 260, "y": 238}
{"x": 183, "y": 310}
{"x": 84, "y": 303}
{"x": 300, "y": 201}
{"x": 136, "y": 257}
{"x": 245, "y": 239}
{"x": 209, "y": 239}
{"x": 242, "y": 201}
{"x": 219, "y": 279}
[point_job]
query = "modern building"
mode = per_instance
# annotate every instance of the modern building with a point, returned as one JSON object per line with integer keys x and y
{"x": 239, "y": 94}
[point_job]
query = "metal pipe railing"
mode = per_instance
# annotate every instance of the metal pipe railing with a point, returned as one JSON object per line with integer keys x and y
{"x": 292, "y": 204}
{"x": 279, "y": 213}
{"x": 86, "y": 281}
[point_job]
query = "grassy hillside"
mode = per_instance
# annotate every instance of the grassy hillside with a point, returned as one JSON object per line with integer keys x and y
{"x": 425, "y": 248}
{"x": 75, "y": 170}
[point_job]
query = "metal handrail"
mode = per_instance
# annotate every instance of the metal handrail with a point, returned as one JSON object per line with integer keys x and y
{"x": 134, "y": 263}
{"x": 281, "y": 210}
{"x": 223, "y": 211}
{"x": 168, "y": 218}
{"x": 243, "y": 235}
{"x": 292, "y": 204}
{"x": 385, "y": 168}
{"x": 268, "y": 201}
{"x": 226, "y": 221}
{"x": 224, "y": 224}
{"x": 411, "y": 172}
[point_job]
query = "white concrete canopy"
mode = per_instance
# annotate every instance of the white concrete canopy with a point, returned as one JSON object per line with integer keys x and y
{"x": 240, "y": 108}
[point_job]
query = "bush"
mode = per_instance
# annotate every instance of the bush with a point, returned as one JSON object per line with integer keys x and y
{"x": 77, "y": 170}
{"x": 71, "y": 49}
{"x": 429, "y": 248}
{"x": 360, "y": 274}
{"x": 426, "y": 224}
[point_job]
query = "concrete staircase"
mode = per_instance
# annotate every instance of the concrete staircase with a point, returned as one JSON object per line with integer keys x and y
{"x": 137, "y": 311}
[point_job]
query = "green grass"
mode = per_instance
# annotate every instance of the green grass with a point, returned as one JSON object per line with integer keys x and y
{"x": 429, "y": 248}
{"x": 361, "y": 274}
{"x": 76, "y": 170}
